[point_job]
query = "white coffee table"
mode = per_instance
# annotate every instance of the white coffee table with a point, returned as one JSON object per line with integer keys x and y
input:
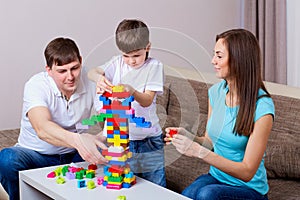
{"x": 35, "y": 185}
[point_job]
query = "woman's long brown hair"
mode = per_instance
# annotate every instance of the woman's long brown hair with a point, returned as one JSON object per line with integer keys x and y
{"x": 245, "y": 69}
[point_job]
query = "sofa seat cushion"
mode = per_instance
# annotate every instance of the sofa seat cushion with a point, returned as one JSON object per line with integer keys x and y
{"x": 181, "y": 170}
{"x": 281, "y": 189}
{"x": 8, "y": 137}
{"x": 282, "y": 154}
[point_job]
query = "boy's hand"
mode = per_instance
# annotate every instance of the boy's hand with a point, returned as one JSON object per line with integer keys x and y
{"x": 103, "y": 85}
{"x": 128, "y": 88}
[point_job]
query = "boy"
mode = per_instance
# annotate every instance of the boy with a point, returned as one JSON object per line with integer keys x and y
{"x": 143, "y": 78}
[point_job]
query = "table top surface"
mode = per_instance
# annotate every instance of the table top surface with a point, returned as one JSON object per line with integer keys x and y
{"x": 143, "y": 189}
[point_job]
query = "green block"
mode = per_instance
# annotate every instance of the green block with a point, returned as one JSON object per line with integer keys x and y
{"x": 115, "y": 179}
{"x": 88, "y": 122}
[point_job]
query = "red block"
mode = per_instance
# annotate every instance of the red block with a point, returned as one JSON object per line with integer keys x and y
{"x": 172, "y": 132}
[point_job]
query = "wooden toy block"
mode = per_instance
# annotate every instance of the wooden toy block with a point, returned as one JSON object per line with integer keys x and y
{"x": 51, "y": 175}
{"x": 60, "y": 180}
{"x": 92, "y": 167}
{"x": 118, "y": 88}
{"x": 91, "y": 184}
{"x": 172, "y": 132}
{"x": 122, "y": 197}
{"x": 81, "y": 184}
{"x": 114, "y": 186}
{"x": 116, "y": 169}
{"x": 90, "y": 175}
{"x": 100, "y": 180}
{"x": 70, "y": 175}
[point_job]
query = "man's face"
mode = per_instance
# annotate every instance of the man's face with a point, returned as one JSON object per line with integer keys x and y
{"x": 66, "y": 76}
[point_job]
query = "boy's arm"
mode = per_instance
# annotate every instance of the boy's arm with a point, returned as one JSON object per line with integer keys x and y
{"x": 95, "y": 73}
{"x": 98, "y": 76}
{"x": 145, "y": 99}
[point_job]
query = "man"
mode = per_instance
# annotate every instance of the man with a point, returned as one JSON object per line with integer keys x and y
{"x": 54, "y": 104}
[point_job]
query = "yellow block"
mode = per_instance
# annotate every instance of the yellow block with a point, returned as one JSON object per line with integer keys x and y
{"x": 118, "y": 88}
{"x": 114, "y": 174}
{"x": 123, "y": 158}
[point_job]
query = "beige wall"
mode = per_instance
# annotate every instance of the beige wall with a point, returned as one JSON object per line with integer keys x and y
{"x": 183, "y": 34}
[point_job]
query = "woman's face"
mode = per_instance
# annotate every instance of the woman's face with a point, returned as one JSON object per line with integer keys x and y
{"x": 220, "y": 60}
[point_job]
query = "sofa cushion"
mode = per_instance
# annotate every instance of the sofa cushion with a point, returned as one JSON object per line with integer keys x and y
{"x": 162, "y": 102}
{"x": 188, "y": 104}
{"x": 8, "y": 138}
{"x": 282, "y": 154}
{"x": 284, "y": 189}
{"x": 181, "y": 170}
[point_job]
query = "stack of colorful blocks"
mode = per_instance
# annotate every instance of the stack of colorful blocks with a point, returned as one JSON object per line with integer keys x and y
{"x": 118, "y": 113}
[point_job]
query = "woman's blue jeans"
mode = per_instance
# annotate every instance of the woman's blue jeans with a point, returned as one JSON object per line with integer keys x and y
{"x": 148, "y": 159}
{"x": 207, "y": 187}
{"x": 15, "y": 159}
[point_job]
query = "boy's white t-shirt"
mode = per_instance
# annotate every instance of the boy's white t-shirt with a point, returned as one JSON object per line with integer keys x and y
{"x": 149, "y": 76}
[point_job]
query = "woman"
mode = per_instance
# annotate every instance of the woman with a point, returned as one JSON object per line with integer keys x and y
{"x": 240, "y": 118}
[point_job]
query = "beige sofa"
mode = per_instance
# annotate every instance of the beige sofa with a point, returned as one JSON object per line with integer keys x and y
{"x": 184, "y": 103}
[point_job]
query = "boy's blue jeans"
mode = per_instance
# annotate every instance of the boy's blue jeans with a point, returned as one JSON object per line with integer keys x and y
{"x": 207, "y": 187}
{"x": 148, "y": 160}
{"x": 15, "y": 159}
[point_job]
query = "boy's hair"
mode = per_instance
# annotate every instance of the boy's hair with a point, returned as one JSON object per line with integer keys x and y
{"x": 61, "y": 51}
{"x": 132, "y": 35}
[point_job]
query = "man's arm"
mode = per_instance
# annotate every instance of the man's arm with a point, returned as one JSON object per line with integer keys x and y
{"x": 86, "y": 144}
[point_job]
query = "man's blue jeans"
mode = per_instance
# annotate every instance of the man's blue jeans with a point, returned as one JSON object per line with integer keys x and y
{"x": 207, "y": 187}
{"x": 15, "y": 159}
{"x": 148, "y": 159}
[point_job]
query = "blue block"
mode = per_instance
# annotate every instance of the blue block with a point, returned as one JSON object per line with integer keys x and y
{"x": 124, "y": 136}
{"x": 126, "y": 185}
{"x": 129, "y": 175}
{"x": 144, "y": 125}
{"x": 81, "y": 184}
{"x": 109, "y": 123}
{"x": 127, "y": 101}
{"x": 114, "y": 162}
{"x": 106, "y": 101}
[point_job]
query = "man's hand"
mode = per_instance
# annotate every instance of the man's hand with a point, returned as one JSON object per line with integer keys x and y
{"x": 87, "y": 146}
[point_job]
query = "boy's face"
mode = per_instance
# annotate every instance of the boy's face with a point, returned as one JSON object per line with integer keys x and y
{"x": 66, "y": 76}
{"x": 136, "y": 59}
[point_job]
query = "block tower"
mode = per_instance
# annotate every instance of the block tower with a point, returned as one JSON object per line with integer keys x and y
{"x": 118, "y": 114}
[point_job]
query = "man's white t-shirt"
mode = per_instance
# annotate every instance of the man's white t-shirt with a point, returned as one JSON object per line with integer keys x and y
{"x": 41, "y": 90}
{"x": 149, "y": 76}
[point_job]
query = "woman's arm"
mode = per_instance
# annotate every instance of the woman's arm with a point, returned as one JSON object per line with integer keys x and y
{"x": 254, "y": 152}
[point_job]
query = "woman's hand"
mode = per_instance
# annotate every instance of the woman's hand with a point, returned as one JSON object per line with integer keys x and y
{"x": 183, "y": 141}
